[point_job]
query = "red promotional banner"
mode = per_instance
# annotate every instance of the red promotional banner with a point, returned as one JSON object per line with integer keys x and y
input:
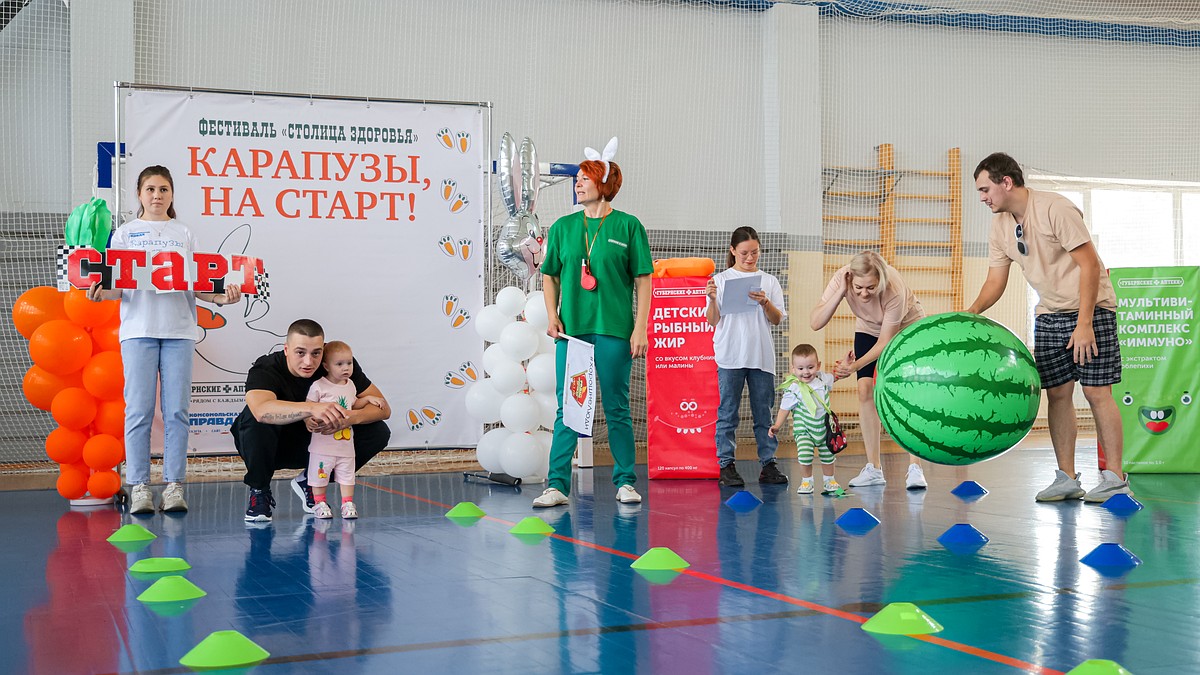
{"x": 681, "y": 382}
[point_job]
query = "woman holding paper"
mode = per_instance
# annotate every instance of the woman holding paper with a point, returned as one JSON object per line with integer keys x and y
{"x": 882, "y": 305}
{"x": 743, "y": 303}
{"x": 595, "y": 259}
{"x": 158, "y": 337}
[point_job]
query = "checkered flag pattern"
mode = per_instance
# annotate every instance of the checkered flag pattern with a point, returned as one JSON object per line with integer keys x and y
{"x": 60, "y": 266}
{"x": 262, "y": 284}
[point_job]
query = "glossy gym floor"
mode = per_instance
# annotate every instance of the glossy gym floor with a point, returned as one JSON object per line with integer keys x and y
{"x": 780, "y": 588}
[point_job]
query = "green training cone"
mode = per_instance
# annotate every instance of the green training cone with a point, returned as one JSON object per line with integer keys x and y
{"x": 224, "y": 649}
{"x": 660, "y": 577}
{"x": 130, "y": 533}
{"x": 1098, "y": 667}
{"x": 465, "y": 510}
{"x": 902, "y": 618}
{"x": 532, "y": 525}
{"x": 169, "y": 609}
{"x": 159, "y": 565}
{"x": 464, "y": 521}
{"x": 530, "y": 539}
{"x": 660, "y": 558}
{"x": 171, "y": 589}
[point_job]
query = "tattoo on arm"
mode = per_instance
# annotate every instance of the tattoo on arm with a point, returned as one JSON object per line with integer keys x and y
{"x": 283, "y": 418}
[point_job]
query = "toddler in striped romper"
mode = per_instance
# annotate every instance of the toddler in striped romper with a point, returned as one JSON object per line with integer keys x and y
{"x": 806, "y": 396}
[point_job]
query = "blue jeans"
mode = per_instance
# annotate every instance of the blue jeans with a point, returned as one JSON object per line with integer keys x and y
{"x": 731, "y": 381}
{"x": 146, "y": 361}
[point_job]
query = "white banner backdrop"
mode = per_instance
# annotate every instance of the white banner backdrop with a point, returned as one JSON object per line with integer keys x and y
{"x": 369, "y": 218}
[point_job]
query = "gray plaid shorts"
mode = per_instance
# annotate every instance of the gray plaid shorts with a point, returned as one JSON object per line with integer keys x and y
{"x": 1056, "y": 364}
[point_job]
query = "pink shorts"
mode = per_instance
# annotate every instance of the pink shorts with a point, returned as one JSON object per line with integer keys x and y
{"x": 321, "y": 467}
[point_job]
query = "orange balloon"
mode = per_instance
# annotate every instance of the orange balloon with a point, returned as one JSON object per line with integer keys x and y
{"x": 110, "y": 418}
{"x": 107, "y": 338}
{"x": 72, "y": 482}
{"x": 35, "y": 307}
{"x": 65, "y": 446}
{"x": 41, "y": 386}
{"x": 102, "y": 452}
{"x": 87, "y": 313}
{"x": 103, "y": 376}
{"x": 60, "y": 346}
{"x": 73, "y": 408}
{"x": 104, "y": 484}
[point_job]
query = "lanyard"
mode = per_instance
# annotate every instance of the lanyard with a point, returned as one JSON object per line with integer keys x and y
{"x": 587, "y": 245}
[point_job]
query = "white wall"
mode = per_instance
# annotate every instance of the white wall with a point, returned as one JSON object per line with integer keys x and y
{"x": 1068, "y": 106}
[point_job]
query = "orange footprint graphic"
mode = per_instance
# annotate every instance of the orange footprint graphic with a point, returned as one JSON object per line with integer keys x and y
{"x": 469, "y": 371}
{"x": 446, "y": 245}
{"x": 464, "y": 141}
{"x": 432, "y": 414}
{"x": 414, "y": 420}
{"x": 445, "y": 138}
{"x": 464, "y": 248}
{"x": 460, "y": 318}
{"x": 448, "y": 186}
{"x": 460, "y": 202}
{"x": 449, "y": 304}
{"x": 455, "y": 380}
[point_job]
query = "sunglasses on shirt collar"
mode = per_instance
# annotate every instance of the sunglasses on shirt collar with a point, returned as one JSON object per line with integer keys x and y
{"x": 1021, "y": 247}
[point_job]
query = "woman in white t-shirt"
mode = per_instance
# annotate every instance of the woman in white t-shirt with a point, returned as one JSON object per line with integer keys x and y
{"x": 883, "y": 305}
{"x": 743, "y": 303}
{"x": 158, "y": 336}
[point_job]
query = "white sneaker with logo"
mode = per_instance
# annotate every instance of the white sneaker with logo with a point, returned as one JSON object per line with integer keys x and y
{"x": 915, "y": 480}
{"x": 172, "y": 499}
{"x": 1110, "y": 484}
{"x": 141, "y": 499}
{"x": 870, "y": 475}
{"x": 1063, "y": 487}
{"x": 550, "y": 497}
{"x": 806, "y": 487}
{"x": 627, "y": 495}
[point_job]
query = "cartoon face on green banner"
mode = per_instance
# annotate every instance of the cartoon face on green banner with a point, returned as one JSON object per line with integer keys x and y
{"x": 1160, "y": 358}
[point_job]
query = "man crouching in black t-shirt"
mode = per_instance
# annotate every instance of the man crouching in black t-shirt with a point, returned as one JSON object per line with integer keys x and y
{"x": 274, "y": 428}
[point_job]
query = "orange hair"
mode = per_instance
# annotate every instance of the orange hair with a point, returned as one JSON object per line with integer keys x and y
{"x": 594, "y": 170}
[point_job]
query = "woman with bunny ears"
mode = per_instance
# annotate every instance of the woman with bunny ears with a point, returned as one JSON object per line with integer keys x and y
{"x": 595, "y": 259}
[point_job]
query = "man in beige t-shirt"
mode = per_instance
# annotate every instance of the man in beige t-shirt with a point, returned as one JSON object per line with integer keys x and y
{"x": 1075, "y": 332}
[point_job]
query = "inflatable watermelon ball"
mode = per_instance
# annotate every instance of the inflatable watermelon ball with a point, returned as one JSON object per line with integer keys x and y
{"x": 956, "y": 389}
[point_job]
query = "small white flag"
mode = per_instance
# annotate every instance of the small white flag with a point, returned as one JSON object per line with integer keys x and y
{"x": 579, "y": 391}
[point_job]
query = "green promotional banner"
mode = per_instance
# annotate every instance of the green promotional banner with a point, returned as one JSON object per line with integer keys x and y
{"x": 1160, "y": 367}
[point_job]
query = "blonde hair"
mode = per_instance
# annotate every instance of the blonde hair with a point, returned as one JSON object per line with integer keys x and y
{"x": 804, "y": 350}
{"x": 868, "y": 264}
{"x": 335, "y": 347}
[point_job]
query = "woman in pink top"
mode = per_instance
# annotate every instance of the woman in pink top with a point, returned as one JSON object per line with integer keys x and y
{"x": 882, "y": 305}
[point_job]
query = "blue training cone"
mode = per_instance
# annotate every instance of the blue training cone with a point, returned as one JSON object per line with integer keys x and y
{"x": 857, "y": 521}
{"x": 1111, "y": 560}
{"x": 963, "y": 539}
{"x": 743, "y": 501}
{"x": 969, "y": 490}
{"x": 1122, "y": 504}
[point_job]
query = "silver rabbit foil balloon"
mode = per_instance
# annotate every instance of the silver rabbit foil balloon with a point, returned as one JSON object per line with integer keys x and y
{"x": 520, "y": 245}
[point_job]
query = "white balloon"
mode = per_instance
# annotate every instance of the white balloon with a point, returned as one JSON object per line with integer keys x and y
{"x": 493, "y": 356}
{"x": 511, "y": 301}
{"x": 483, "y": 401}
{"x": 508, "y": 378}
{"x": 540, "y": 372}
{"x": 490, "y": 451}
{"x": 535, "y": 312}
{"x": 490, "y": 322}
{"x": 519, "y": 340}
{"x": 521, "y": 455}
{"x": 520, "y": 412}
{"x": 547, "y": 346}
{"x": 548, "y": 405}
{"x": 546, "y": 439}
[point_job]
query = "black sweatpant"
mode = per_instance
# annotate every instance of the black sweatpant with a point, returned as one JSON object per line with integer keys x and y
{"x": 267, "y": 447}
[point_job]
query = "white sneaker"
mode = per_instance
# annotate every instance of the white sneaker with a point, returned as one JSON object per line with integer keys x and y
{"x": 831, "y": 486}
{"x": 1110, "y": 484}
{"x": 172, "y": 499}
{"x": 1063, "y": 487}
{"x": 322, "y": 511}
{"x": 550, "y": 497}
{"x": 349, "y": 511}
{"x": 870, "y": 475}
{"x": 141, "y": 499}
{"x": 627, "y": 495}
{"x": 915, "y": 480}
{"x": 806, "y": 487}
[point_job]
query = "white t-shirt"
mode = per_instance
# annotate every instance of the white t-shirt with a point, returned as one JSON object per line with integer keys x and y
{"x": 149, "y": 313}
{"x": 822, "y": 386}
{"x": 743, "y": 340}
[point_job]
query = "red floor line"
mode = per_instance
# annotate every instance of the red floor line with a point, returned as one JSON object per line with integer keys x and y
{"x": 830, "y": 611}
